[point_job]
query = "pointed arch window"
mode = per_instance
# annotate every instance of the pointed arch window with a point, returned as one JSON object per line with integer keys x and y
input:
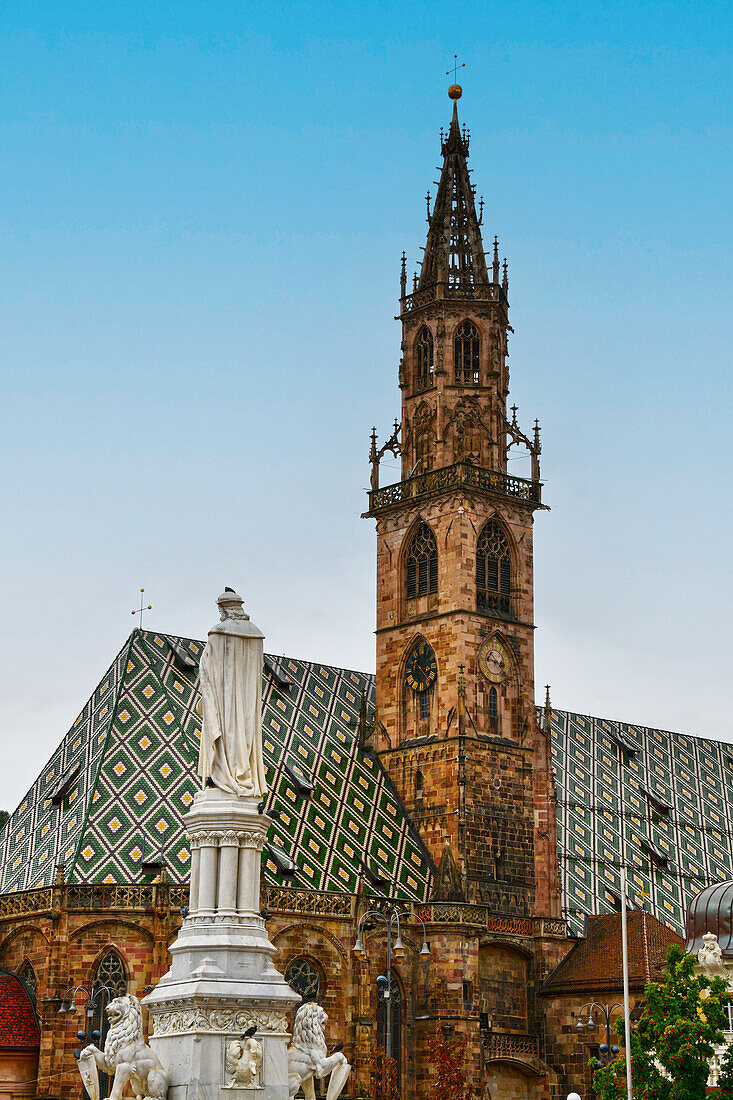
{"x": 424, "y": 359}
{"x": 109, "y": 972}
{"x": 466, "y": 354}
{"x": 493, "y": 707}
{"x": 395, "y": 992}
{"x": 493, "y": 570}
{"x": 422, "y": 563}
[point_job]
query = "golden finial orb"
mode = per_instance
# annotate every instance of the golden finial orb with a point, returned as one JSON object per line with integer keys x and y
{"x": 455, "y": 91}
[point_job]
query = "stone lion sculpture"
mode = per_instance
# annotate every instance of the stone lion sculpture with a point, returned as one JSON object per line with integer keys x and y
{"x": 710, "y": 957}
{"x": 126, "y": 1055}
{"x": 308, "y": 1055}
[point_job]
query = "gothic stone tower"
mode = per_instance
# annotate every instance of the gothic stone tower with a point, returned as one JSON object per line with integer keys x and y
{"x": 456, "y": 722}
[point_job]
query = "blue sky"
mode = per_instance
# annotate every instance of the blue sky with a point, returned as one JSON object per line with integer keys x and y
{"x": 202, "y": 208}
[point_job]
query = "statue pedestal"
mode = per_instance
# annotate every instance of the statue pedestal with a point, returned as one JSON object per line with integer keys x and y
{"x": 222, "y": 981}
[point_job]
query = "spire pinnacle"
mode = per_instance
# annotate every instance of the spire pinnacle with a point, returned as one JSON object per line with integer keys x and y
{"x": 548, "y": 710}
{"x": 454, "y": 253}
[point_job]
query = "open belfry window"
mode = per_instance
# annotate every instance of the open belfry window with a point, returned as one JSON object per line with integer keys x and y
{"x": 466, "y": 352}
{"x": 422, "y": 563}
{"x": 424, "y": 452}
{"x": 493, "y": 570}
{"x": 424, "y": 359}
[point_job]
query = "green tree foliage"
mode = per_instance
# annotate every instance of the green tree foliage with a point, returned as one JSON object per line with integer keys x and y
{"x": 4, "y": 815}
{"x": 673, "y": 1043}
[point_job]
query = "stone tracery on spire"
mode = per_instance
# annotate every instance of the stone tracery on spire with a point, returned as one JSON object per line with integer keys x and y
{"x": 454, "y": 251}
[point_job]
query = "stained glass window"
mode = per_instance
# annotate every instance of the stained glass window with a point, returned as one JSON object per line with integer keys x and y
{"x": 110, "y": 973}
{"x": 304, "y": 977}
{"x": 395, "y": 1023}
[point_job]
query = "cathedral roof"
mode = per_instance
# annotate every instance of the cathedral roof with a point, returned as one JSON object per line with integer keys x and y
{"x": 110, "y": 801}
{"x": 660, "y": 800}
{"x": 109, "y": 804}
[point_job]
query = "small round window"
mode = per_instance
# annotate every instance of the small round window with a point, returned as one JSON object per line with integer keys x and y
{"x": 304, "y": 977}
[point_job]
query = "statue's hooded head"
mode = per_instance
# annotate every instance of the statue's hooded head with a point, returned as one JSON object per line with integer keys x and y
{"x": 233, "y": 619}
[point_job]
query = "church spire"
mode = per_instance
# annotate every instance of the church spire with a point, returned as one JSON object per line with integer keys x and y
{"x": 454, "y": 254}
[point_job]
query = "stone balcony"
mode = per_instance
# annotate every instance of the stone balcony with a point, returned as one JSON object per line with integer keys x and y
{"x": 460, "y": 475}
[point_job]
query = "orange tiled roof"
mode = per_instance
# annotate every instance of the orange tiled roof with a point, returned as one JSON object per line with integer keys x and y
{"x": 18, "y": 1027}
{"x": 595, "y": 962}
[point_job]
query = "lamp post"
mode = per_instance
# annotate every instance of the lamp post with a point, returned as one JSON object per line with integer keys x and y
{"x": 97, "y": 997}
{"x": 384, "y": 983}
{"x": 607, "y": 1051}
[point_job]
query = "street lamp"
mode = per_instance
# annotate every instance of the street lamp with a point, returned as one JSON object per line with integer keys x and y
{"x": 607, "y": 1050}
{"x": 384, "y": 982}
{"x": 96, "y": 999}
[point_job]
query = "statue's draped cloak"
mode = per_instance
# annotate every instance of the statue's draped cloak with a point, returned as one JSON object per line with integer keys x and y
{"x": 231, "y": 710}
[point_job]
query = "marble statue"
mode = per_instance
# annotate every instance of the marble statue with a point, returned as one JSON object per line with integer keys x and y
{"x": 242, "y": 1062}
{"x": 308, "y": 1055}
{"x": 230, "y": 757}
{"x": 710, "y": 957}
{"x": 126, "y": 1055}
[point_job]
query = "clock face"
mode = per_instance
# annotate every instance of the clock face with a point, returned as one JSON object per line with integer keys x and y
{"x": 493, "y": 661}
{"x": 421, "y": 668}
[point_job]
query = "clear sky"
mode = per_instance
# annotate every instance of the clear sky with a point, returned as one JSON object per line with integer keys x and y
{"x": 202, "y": 208}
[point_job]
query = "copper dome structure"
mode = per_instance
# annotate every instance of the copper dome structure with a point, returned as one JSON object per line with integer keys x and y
{"x": 711, "y": 911}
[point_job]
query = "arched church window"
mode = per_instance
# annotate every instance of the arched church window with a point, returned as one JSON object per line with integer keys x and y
{"x": 493, "y": 706}
{"x": 424, "y": 359}
{"x": 467, "y": 351}
{"x": 109, "y": 972}
{"x": 422, "y": 563}
{"x": 305, "y": 978}
{"x": 395, "y": 1023}
{"x": 493, "y": 570}
{"x": 28, "y": 977}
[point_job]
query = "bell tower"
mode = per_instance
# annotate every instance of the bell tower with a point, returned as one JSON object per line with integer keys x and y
{"x": 456, "y": 723}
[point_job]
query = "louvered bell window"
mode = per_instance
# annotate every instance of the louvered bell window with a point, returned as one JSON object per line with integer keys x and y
{"x": 422, "y": 563}
{"x": 424, "y": 359}
{"x": 493, "y": 570}
{"x": 467, "y": 351}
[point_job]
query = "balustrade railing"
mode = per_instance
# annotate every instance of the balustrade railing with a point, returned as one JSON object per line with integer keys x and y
{"x": 501, "y": 1045}
{"x": 274, "y": 899}
{"x": 481, "y": 292}
{"x": 460, "y": 474}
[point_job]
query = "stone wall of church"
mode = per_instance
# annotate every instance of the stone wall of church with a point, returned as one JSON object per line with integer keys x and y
{"x": 467, "y": 973}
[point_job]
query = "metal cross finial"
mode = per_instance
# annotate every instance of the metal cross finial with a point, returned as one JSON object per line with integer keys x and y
{"x": 455, "y": 68}
{"x": 143, "y": 607}
{"x": 644, "y": 897}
